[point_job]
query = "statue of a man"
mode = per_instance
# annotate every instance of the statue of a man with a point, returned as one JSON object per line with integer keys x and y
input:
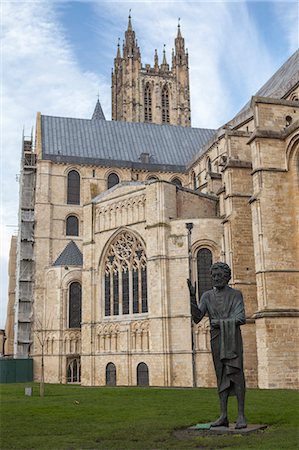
{"x": 225, "y": 309}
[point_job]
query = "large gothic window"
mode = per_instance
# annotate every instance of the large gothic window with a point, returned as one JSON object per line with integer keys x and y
{"x": 147, "y": 103}
{"x": 75, "y": 305}
{"x": 165, "y": 105}
{"x": 125, "y": 276}
{"x": 73, "y": 188}
{"x": 113, "y": 179}
{"x": 72, "y": 226}
{"x": 204, "y": 263}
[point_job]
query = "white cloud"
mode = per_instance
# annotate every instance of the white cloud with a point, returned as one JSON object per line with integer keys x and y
{"x": 39, "y": 74}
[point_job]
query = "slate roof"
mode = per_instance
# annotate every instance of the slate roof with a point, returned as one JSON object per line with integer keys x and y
{"x": 120, "y": 143}
{"x": 98, "y": 112}
{"x": 279, "y": 85}
{"x": 70, "y": 256}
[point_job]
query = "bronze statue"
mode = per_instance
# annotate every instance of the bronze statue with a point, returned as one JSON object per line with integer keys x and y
{"x": 225, "y": 309}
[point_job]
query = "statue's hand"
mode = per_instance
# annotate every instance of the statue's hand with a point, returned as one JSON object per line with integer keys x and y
{"x": 192, "y": 290}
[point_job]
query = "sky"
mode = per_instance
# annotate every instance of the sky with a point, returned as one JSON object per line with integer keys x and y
{"x": 56, "y": 58}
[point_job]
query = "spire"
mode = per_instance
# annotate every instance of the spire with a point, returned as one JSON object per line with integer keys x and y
{"x": 118, "y": 56}
{"x": 98, "y": 112}
{"x": 129, "y": 22}
{"x": 164, "y": 65}
{"x": 179, "y": 28}
{"x": 156, "y": 60}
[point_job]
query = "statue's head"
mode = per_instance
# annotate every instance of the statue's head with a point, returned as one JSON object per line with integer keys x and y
{"x": 221, "y": 274}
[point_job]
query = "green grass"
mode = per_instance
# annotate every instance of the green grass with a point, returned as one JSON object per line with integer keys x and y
{"x": 74, "y": 417}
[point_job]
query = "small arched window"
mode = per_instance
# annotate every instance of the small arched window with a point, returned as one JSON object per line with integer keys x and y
{"x": 113, "y": 179}
{"x": 75, "y": 301}
{"x": 204, "y": 263}
{"x": 142, "y": 375}
{"x": 147, "y": 103}
{"x": 72, "y": 226}
{"x": 73, "y": 371}
{"x": 110, "y": 374}
{"x": 165, "y": 105}
{"x": 177, "y": 181}
{"x": 153, "y": 177}
{"x": 73, "y": 188}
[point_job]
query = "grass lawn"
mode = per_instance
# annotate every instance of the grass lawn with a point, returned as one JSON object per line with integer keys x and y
{"x": 74, "y": 417}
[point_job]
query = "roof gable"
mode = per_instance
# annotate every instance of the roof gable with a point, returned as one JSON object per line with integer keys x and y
{"x": 70, "y": 256}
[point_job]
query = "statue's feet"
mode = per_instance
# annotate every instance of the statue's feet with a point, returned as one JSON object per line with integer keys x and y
{"x": 241, "y": 423}
{"x": 221, "y": 422}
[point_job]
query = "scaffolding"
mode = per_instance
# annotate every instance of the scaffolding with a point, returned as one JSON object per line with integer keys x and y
{"x": 25, "y": 255}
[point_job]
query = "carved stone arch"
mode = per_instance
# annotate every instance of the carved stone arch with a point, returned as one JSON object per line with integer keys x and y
{"x": 206, "y": 243}
{"x": 70, "y": 276}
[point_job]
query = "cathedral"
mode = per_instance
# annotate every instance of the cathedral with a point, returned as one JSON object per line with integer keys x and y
{"x": 114, "y": 216}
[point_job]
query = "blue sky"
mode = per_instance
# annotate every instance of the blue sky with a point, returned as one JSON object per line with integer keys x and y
{"x": 57, "y": 56}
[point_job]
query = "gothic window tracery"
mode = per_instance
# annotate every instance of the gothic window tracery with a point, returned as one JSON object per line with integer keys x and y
{"x": 165, "y": 105}
{"x": 125, "y": 276}
{"x": 147, "y": 103}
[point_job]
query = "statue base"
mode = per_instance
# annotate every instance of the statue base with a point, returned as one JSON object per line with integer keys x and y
{"x": 206, "y": 429}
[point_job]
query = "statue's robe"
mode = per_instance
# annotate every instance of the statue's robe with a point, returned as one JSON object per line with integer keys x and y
{"x": 226, "y": 306}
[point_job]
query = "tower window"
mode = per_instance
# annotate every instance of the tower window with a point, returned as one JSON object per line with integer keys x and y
{"x": 125, "y": 276}
{"x": 204, "y": 263}
{"x": 113, "y": 179}
{"x": 73, "y": 188}
{"x": 165, "y": 105}
{"x": 72, "y": 226}
{"x": 147, "y": 103}
{"x": 75, "y": 305}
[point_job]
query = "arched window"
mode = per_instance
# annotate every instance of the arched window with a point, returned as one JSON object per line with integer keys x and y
{"x": 73, "y": 371}
{"x": 147, "y": 103}
{"x": 165, "y": 105}
{"x": 72, "y": 226}
{"x": 125, "y": 276}
{"x": 153, "y": 177}
{"x": 142, "y": 375}
{"x": 73, "y": 188}
{"x": 110, "y": 374}
{"x": 75, "y": 305}
{"x": 113, "y": 179}
{"x": 204, "y": 263}
{"x": 177, "y": 181}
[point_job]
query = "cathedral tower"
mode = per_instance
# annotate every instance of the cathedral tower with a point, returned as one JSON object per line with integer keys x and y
{"x": 157, "y": 94}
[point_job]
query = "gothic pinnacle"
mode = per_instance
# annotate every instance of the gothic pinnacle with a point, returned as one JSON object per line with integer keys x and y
{"x": 129, "y": 22}
{"x": 164, "y": 55}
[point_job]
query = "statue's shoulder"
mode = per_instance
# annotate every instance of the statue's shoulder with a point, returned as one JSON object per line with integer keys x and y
{"x": 235, "y": 292}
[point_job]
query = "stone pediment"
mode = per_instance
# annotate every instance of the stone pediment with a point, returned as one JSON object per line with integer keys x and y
{"x": 120, "y": 190}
